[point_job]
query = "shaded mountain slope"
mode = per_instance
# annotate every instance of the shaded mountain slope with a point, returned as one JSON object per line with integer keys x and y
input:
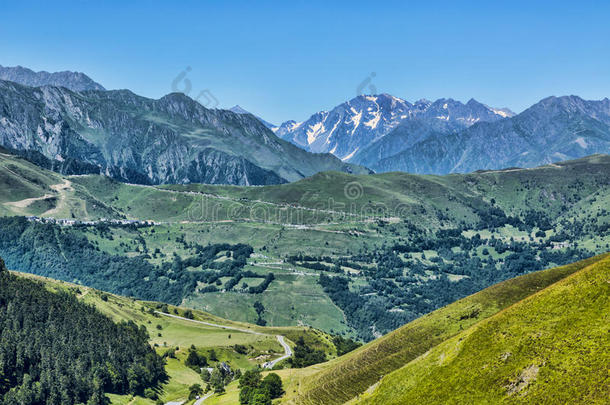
{"x": 139, "y": 140}
{"x": 555, "y": 129}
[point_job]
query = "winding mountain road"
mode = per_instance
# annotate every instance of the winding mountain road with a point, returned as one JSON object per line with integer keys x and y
{"x": 287, "y": 353}
{"x": 203, "y": 398}
{"x": 211, "y": 324}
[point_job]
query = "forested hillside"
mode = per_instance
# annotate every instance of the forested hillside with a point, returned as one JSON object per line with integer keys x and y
{"x": 67, "y": 255}
{"x": 189, "y": 339}
{"x": 56, "y": 350}
{"x": 351, "y": 255}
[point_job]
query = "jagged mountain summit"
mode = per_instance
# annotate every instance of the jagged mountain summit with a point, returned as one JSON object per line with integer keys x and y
{"x": 135, "y": 139}
{"x": 554, "y": 129}
{"x": 386, "y": 133}
{"x": 237, "y": 109}
{"x": 68, "y": 122}
{"x": 354, "y": 125}
{"x": 74, "y": 81}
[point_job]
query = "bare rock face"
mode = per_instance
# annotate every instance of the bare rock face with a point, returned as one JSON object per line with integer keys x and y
{"x": 75, "y": 81}
{"x": 139, "y": 140}
{"x": 352, "y": 127}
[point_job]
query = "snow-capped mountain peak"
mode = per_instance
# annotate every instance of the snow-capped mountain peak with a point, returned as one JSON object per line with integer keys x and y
{"x": 503, "y": 112}
{"x": 357, "y": 123}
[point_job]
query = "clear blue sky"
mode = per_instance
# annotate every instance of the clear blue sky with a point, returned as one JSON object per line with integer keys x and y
{"x": 287, "y": 60}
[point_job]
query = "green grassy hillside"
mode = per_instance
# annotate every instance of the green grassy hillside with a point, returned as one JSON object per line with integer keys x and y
{"x": 401, "y": 245}
{"x": 330, "y": 196}
{"x": 29, "y": 190}
{"x": 172, "y": 333}
{"x": 346, "y": 377}
{"x": 551, "y": 347}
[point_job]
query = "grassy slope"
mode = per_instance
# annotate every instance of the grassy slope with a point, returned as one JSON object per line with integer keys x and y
{"x": 20, "y": 180}
{"x": 342, "y": 379}
{"x": 315, "y": 200}
{"x": 551, "y": 347}
{"x": 182, "y": 334}
{"x": 546, "y": 187}
{"x": 543, "y": 188}
{"x": 29, "y": 190}
{"x": 94, "y": 197}
{"x": 234, "y": 214}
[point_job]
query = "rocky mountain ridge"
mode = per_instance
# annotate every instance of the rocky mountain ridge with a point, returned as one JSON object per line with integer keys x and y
{"x": 75, "y": 81}
{"x": 135, "y": 139}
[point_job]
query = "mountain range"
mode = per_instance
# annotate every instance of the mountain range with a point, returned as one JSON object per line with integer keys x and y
{"x": 555, "y": 129}
{"x": 350, "y": 128}
{"x": 140, "y": 140}
{"x": 68, "y": 122}
{"x": 386, "y": 133}
{"x": 75, "y": 81}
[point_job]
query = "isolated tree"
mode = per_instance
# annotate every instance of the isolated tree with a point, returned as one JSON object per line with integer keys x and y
{"x": 194, "y": 391}
{"x": 250, "y": 378}
{"x": 273, "y": 383}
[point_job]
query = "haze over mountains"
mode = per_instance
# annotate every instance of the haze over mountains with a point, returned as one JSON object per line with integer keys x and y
{"x": 555, "y": 129}
{"x": 386, "y": 133}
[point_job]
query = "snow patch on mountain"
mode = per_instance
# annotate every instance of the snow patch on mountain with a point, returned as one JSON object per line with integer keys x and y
{"x": 354, "y": 125}
{"x": 374, "y": 121}
{"x": 502, "y": 112}
{"x": 350, "y": 155}
{"x": 314, "y": 131}
{"x": 581, "y": 142}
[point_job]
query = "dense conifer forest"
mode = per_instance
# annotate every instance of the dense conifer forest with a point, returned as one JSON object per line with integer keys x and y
{"x": 57, "y": 350}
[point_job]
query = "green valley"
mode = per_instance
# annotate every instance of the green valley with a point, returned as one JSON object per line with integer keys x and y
{"x": 351, "y": 255}
{"x": 294, "y": 203}
{"x": 240, "y": 345}
{"x": 508, "y": 333}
